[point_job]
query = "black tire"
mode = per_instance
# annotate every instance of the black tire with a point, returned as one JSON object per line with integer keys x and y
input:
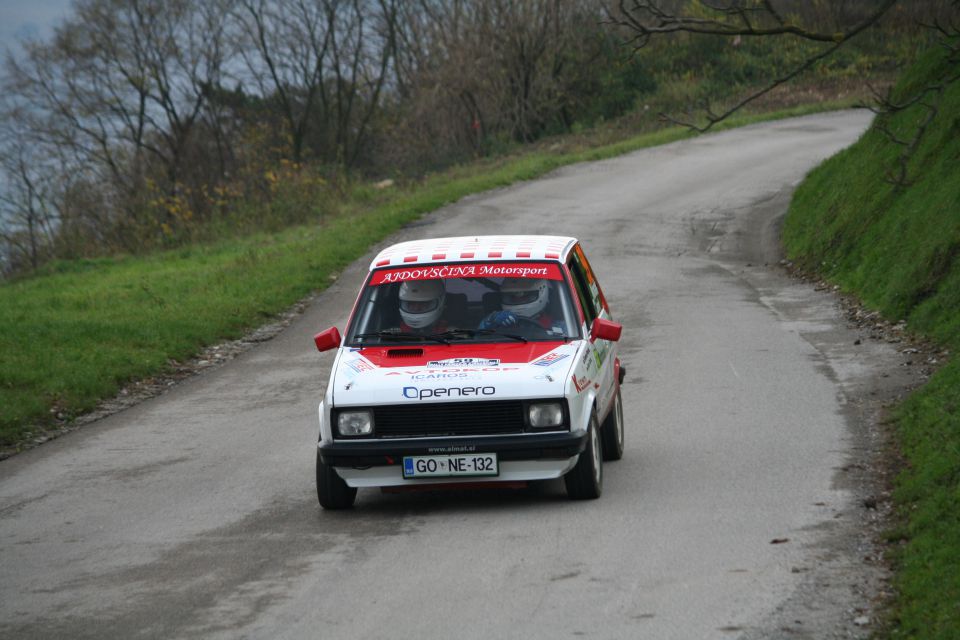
{"x": 611, "y": 431}
{"x": 332, "y": 491}
{"x": 585, "y": 480}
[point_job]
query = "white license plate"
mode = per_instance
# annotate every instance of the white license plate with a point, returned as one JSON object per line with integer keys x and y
{"x": 465, "y": 465}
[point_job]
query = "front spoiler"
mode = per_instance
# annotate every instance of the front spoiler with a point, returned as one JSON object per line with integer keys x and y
{"x": 375, "y": 453}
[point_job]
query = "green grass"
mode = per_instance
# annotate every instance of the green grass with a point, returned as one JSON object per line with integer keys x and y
{"x": 898, "y": 249}
{"x": 74, "y": 336}
{"x": 929, "y": 494}
{"x": 79, "y": 330}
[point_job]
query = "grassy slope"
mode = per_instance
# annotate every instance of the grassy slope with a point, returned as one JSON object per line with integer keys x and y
{"x": 899, "y": 251}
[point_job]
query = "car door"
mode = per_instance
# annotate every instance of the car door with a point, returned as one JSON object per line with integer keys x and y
{"x": 594, "y": 304}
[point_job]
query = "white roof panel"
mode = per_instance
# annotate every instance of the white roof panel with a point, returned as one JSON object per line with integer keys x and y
{"x": 475, "y": 249}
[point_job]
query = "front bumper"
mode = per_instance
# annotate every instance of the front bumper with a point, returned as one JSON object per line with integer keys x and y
{"x": 378, "y": 463}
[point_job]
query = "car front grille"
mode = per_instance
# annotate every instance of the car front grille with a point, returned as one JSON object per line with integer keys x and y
{"x": 429, "y": 420}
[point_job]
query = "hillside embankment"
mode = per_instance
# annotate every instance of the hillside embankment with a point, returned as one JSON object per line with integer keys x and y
{"x": 882, "y": 220}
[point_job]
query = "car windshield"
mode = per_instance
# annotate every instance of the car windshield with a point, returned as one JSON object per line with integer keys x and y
{"x": 476, "y": 302}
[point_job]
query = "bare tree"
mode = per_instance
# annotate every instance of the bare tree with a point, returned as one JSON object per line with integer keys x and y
{"x": 831, "y": 25}
{"x": 324, "y": 63}
{"x": 285, "y": 45}
{"x": 476, "y": 71}
{"x": 122, "y": 87}
{"x": 362, "y": 48}
{"x": 927, "y": 97}
{"x": 446, "y": 72}
{"x": 28, "y": 214}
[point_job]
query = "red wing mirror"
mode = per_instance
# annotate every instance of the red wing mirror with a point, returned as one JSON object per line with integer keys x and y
{"x": 605, "y": 330}
{"x": 326, "y": 340}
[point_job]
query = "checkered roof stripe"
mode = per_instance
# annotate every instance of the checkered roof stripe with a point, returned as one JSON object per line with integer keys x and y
{"x": 475, "y": 249}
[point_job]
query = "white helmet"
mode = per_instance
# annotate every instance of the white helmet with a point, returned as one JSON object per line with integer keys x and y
{"x": 421, "y": 302}
{"x": 524, "y": 296}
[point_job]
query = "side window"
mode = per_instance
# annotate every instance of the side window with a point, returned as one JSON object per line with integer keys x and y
{"x": 593, "y": 287}
{"x": 583, "y": 289}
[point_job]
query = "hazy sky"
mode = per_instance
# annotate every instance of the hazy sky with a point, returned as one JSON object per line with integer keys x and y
{"x": 29, "y": 18}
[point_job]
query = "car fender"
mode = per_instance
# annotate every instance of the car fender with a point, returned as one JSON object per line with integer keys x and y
{"x": 326, "y": 430}
{"x": 581, "y": 404}
{"x": 584, "y": 386}
{"x": 322, "y": 417}
{"x": 586, "y": 409}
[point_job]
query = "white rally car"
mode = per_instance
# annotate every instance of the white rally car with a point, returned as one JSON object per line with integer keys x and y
{"x": 472, "y": 360}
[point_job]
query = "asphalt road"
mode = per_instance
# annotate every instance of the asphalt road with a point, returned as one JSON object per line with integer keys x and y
{"x": 731, "y": 514}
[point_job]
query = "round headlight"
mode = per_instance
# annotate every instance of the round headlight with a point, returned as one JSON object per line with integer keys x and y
{"x": 355, "y": 423}
{"x": 546, "y": 414}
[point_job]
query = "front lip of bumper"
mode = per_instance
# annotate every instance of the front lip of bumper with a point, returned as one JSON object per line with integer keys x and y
{"x": 550, "y": 446}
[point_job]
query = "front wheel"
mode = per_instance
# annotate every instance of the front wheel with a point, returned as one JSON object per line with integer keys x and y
{"x": 332, "y": 491}
{"x": 585, "y": 480}
{"x": 612, "y": 431}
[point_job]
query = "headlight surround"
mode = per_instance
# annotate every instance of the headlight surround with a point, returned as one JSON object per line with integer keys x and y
{"x": 543, "y": 415}
{"x": 352, "y": 423}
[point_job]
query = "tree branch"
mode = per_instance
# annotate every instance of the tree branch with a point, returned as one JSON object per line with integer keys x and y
{"x": 713, "y": 118}
{"x": 647, "y": 18}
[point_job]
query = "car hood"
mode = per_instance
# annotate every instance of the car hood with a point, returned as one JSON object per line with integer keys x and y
{"x": 452, "y": 373}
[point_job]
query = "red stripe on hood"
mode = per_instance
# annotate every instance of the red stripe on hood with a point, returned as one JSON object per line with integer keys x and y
{"x": 506, "y": 353}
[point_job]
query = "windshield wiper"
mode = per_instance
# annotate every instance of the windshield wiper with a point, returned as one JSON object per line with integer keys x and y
{"x": 494, "y": 332}
{"x": 403, "y": 335}
{"x": 456, "y": 334}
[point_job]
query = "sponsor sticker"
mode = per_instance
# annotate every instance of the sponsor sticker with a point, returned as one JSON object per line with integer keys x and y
{"x": 463, "y": 362}
{"x": 442, "y": 375}
{"x": 360, "y": 365}
{"x": 416, "y": 393}
{"x": 352, "y": 368}
{"x": 549, "y": 271}
{"x": 601, "y": 352}
{"x": 550, "y": 359}
{"x": 474, "y": 370}
{"x": 470, "y": 448}
{"x": 582, "y": 384}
